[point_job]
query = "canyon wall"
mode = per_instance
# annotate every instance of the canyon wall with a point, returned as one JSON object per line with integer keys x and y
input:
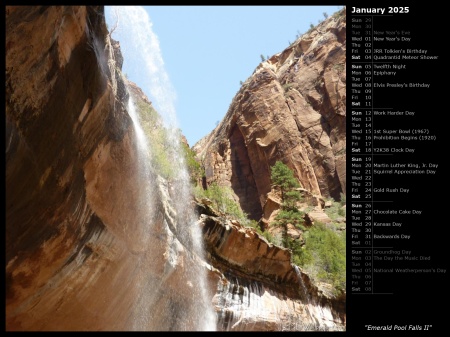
{"x": 84, "y": 243}
{"x": 292, "y": 108}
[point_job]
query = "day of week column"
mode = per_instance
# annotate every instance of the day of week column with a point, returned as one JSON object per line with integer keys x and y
{"x": 361, "y": 155}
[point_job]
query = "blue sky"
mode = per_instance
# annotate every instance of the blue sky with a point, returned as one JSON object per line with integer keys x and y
{"x": 207, "y": 50}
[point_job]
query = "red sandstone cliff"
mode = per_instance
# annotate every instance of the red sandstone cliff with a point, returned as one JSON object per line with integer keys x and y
{"x": 78, "y": 245}
{"x": 292, "y": 108}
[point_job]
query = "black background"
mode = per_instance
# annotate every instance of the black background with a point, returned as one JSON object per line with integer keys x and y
{"x": 416, "y": 299}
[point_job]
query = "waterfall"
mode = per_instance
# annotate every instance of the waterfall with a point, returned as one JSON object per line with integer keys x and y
{"x": 320, "y": 316}
{"x": 161, "y": 304}
{"x": 140, "y": 135}
{"x": 250, "y": 306}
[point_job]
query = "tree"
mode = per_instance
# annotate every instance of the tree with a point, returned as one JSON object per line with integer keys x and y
{"x": 283, "y": 177}
{"x": 325, "y": 15}
{"x": 262, "y": 58}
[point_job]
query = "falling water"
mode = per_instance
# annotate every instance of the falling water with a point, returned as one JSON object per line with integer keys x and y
{"x": 321, "y": 316}
{"x": 250, "y": 306}
{"x": 140, "y": 135}
{"x": 140, "y": 47}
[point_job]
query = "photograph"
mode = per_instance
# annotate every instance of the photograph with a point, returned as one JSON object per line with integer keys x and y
{"x": 184, "y": 168}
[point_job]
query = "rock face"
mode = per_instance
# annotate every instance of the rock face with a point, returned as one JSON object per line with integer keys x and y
{"x": 93, "y": 242}
{"x": 259, "y": 288}
{"x": 291, "y": 109}
{"x": 84, "y": 241}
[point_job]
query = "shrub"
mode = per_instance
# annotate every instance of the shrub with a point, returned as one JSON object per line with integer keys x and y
{"x": 196, "y": 172}
{"x": 288, "y": 86}
{"x": 162, "y": 149}
{"x": 323, "y": 255}
{"x": 336, "y": 210}
{"x": 343, "y": 199}
{"x": 222, "y": 201}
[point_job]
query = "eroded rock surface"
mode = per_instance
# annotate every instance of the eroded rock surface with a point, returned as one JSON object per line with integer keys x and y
{"x": 85, "y": 237}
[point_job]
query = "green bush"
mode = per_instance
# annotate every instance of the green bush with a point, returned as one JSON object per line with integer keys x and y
{"x": 339, "y": 67}
{"x": 222, "y": 201}
{"x": 343, "y": 199}
{"x": 161, "y": 149}
{"x": 323, "y": 255}
{"x": 288, "y": 86}
{"x": 196, "y": 172}
{"x": 336, "y": 210}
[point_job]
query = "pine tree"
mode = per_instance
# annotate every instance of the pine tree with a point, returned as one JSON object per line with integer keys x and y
{"x": 283, "y": 177}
